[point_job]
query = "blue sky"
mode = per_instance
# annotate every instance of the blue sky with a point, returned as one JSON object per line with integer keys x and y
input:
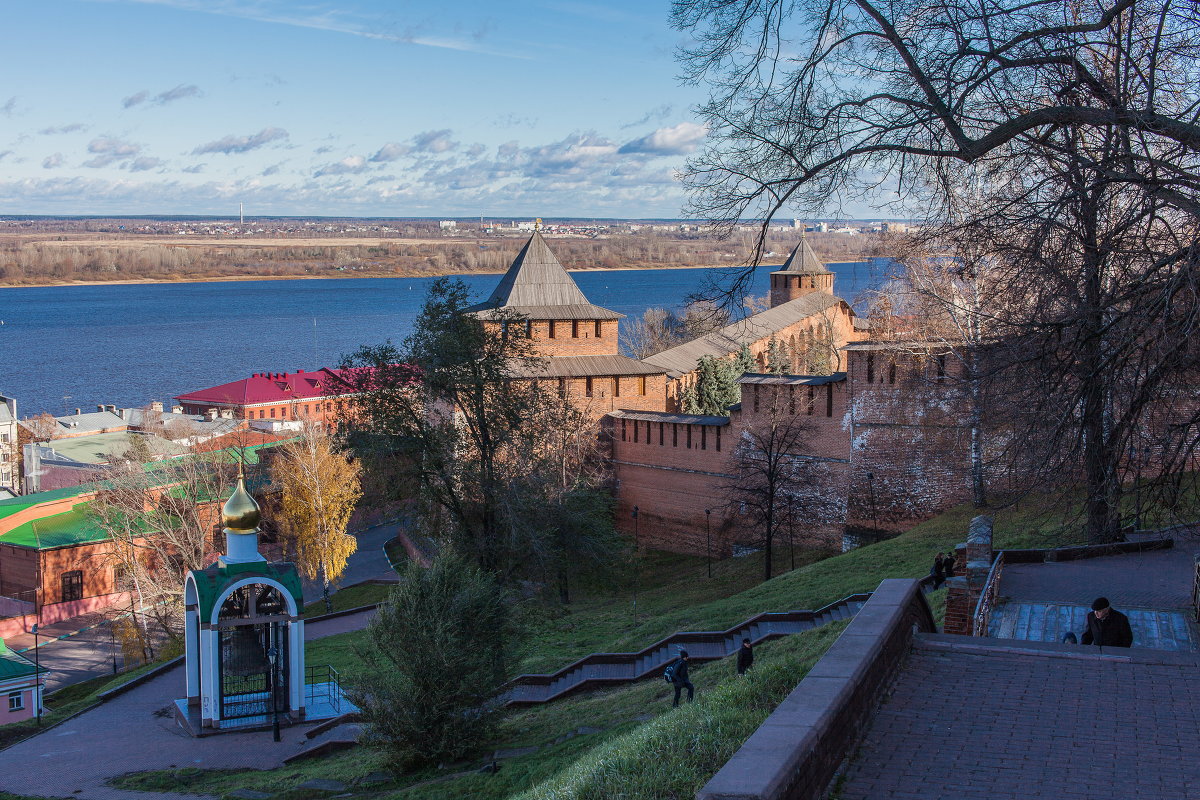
{"x": 360, "y": 107}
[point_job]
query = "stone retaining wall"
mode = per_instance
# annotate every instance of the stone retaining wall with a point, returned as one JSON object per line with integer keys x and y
{"x": 798, "y": 750}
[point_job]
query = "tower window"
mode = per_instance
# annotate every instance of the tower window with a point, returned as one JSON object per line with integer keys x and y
{"x": 550, "y": 330}
{"x": 642, "y": 384}
{"x": 623, "y": 429}
{"x": 574, "y": 329}
{"x": 870, "y": 367}
{"x": 588, "y": 387}
{"x": 599, "y": 330}
{"x": 616, "y": 386}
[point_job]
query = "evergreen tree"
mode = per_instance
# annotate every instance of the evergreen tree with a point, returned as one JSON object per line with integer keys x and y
{"x": 779, "y": 361}
{"x": 715, "y": 388}
{"x": 744, "y": 362}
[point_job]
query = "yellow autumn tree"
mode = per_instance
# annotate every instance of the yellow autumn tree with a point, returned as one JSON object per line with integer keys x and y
{"x": 320, "y": 487}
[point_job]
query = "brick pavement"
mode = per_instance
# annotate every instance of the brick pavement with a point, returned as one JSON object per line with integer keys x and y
{"x": 131, "y": 733}
{"x": 1160, "y": 579}
{"x": 995, "y": 723}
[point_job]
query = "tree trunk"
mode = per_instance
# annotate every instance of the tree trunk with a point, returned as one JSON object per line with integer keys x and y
{"x": 978, "y": 485}
{"x": 325, "y": 590}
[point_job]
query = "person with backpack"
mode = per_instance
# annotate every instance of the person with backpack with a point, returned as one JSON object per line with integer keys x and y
{"x": 745, "y": 657}
{"x": 676, "y": 674}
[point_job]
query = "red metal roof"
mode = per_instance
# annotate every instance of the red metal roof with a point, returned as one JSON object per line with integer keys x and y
{"x": 270, "y": 387}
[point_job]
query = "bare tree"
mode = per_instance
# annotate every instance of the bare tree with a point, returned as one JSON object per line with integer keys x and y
{"x": 161, "y": 523}
{"x": 775, "y": 479}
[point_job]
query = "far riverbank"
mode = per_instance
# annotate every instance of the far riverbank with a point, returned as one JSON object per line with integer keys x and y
{"x": 357, "y": 275}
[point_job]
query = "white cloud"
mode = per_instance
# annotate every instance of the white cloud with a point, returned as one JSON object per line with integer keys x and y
{"x": 350, "y": 165}
{"x": 53, "y": 161}
{"x": 135, "y": 99}
{"x": 145, "y": 163}
{"x": 390, "y": 152}
{"x": 9, "y": 107}
{"x": 676, "y": 140}
{"x": 434, "y": 141}
{"x": 109, "y": 149}
{"x": 242, "y": 144}
{"x": 74, "y": 127}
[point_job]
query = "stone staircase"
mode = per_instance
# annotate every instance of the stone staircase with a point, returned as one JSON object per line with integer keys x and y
{"x": 606, "y": 669}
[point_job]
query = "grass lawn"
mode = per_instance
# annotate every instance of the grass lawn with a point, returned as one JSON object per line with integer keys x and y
{"x": 669, "y": 753}
{"x": 360, "y": 594}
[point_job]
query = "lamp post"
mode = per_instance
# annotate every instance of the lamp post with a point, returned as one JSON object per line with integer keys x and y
{"x": 273, "y": 657}
{"x": 37, "y": 675}
{"x": 874, "y": 516}
{"x": 708, "y": 538}
{"x": 637, "y": 567}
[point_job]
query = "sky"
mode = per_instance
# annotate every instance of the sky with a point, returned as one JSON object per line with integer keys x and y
{"x": 354, "y": 108}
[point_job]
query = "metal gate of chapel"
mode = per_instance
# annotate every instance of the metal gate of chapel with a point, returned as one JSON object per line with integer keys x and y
{"x": 252, "y": 627}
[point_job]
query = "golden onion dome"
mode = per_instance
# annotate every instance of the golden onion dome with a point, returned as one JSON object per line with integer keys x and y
{"x": 240, "y": 513}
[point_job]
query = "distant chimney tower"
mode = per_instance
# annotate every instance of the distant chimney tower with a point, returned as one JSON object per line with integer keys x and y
{"x": 241, "y": 214}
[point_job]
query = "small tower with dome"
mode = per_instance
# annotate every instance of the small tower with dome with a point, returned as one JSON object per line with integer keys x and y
{"x": 244, "y": 637}
{"x": 803, "y": 273}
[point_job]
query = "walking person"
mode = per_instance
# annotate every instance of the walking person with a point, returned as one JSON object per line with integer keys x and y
{"x": 745, "y": 657}
{"x": 679, "y": 677}
{"x": 1106, "y": 626}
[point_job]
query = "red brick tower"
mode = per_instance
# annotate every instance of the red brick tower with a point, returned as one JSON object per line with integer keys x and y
{"x": 803, "y": 273}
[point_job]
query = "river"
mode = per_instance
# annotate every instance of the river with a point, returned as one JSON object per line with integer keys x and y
{"x": 68, "y": 347}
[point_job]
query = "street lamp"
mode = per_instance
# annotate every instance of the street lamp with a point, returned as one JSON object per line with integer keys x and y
{"x": 874, "y": 516}
{"x": 37, "y": 675}
{"x": 708, "y": 537}
{"x": 273, "y": 657}
{"x": 637, "y": 568}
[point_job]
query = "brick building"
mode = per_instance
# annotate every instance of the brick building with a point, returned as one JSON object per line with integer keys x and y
{"x": 806, "y": 318}
{"x": 577, "y": 339}
{"x": 674, "y": 467}
{"x": 285, "y": 397}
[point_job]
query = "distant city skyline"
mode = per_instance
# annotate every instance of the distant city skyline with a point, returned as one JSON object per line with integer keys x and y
{"x": 365, "y": 108}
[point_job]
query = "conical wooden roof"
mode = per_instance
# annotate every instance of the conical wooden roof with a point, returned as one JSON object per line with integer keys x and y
{"x": 539, "y": 287}
{"x": 803, "y": 261}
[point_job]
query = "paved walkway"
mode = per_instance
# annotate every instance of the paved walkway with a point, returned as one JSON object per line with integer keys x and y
{"x": 1156, "y": 579}
{"x": 989, "y": 722}
{"x": 136, "y": 732}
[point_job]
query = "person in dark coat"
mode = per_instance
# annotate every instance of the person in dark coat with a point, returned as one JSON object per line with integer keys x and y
{"x": 745, "y": 657}
{"x": 939, "y": 571}
{"x": 680, "y": 679}
{"x": 1106, "y": 626}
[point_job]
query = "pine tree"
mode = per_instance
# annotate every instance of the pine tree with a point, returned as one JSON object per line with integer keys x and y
{"x": 744, "y": 362}
{"x": 715, "y": 388}
{"x": 779, "y": 361}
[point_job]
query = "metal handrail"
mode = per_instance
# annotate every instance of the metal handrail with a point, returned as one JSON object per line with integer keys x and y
{"x": 987, "y": 598}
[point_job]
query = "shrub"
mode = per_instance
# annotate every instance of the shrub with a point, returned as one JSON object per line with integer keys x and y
{"x": 434, "y": 657}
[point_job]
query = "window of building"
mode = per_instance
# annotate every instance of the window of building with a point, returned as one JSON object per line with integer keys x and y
{"x": 635, "y": 431}
{"x": 689, "y": 436}
{"x": 941, "y": 368}
{"x": 504, "y": 331}
{"x": 587, "y": 387}
{"x": 562, "y": 387}
{"x": 756, "y": 398}
{"x": 528, "y": 329}
{"x": 574, "y": 329}
{"x": 674, "y": 434}
{"x": 812, "y": 400}
{"x": 703, "y": 437}
{"x": 262, "y": 413}
{"x": 792, "y": 400}
{"x": 718, "y": 430}
{"x": 892, "y": 372}
{"x": 272, "y": 413}
{"x": 870, "y": 367}
{"x": 642, "y": 385}
{"x": 829, "y": 399}
{"x": 662, "y": 431}
{"x": 599, "y": 330}
{"x": 16, "y": 701}
{"x": 550, "y": 330}
{"x": 72, "y": 586}
{"x": 616, "y": 386}
{"x": 623, "y": 434}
